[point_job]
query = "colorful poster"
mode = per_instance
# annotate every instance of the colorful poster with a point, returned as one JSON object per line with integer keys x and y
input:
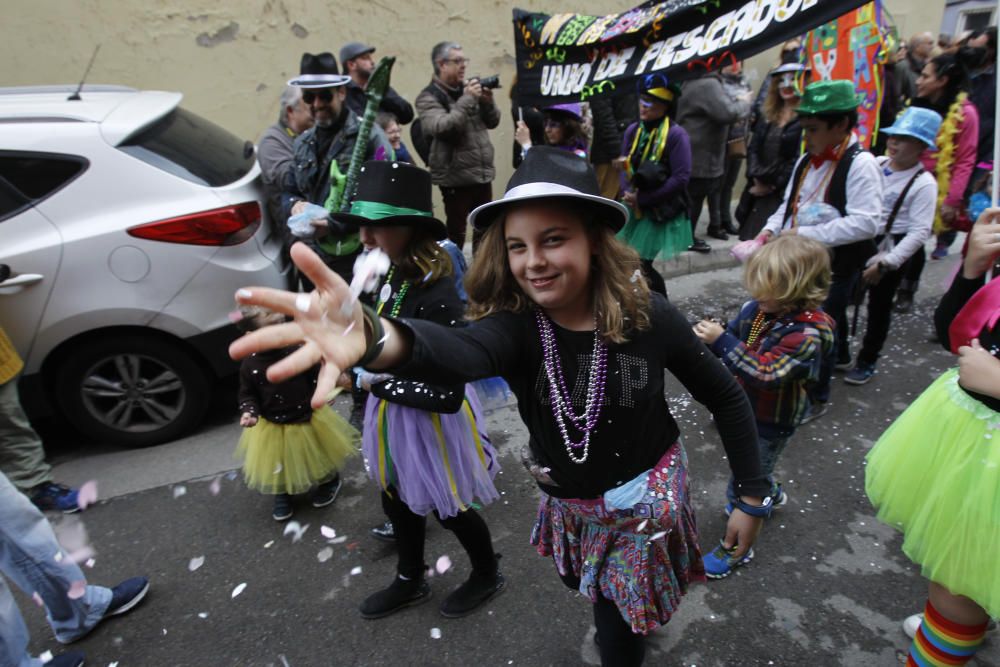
{"x": 850, "y": 47}
{"x": 570, "y": 57}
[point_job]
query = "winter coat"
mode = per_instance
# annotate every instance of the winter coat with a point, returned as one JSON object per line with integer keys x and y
{"x": 706, "y": 111}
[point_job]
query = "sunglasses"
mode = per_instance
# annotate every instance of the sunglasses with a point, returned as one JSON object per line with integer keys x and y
{"x": 310, "y": 96}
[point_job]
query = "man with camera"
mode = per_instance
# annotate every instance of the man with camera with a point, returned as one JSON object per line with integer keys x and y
{"x": 455, "y": 118}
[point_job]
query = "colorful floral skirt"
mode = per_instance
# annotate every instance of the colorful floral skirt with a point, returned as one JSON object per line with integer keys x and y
{"x": 436, "y": 462}
{"x": 643, "y": 558}
{"x": 657, "y": 240}
{"x": 292, "y": 458}
{"x": 935, "y": 475}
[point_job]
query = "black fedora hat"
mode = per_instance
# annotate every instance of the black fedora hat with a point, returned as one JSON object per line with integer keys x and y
{"x": 393, "y": 194}
{"x": 319, "y": 71}
{"x": 551, "y": 173}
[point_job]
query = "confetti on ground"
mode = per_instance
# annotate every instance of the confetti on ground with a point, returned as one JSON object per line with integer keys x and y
{"x": 179, "y": 491}
{"x": 236, "y": 591}
{"x": 435, "y": 633}
{"x": 90, "y": 563}
{"x": 356, "y": 570}
{"x": 86, "y": 494}
{"x": 216, "y": 486}
{"x": 443, "y": 564}
{"x": 339, "y": 540}
{"x": 203, "y": 614}
{"x": 45, "y": 657}
{"x": 296, "y": 530}
{"x": 269, "y": 544}
{"x": 325, "y": 554}
{"x": 195, "y": 563}
{"x": 327, "y": 532}
{"x": 77, "y": 590}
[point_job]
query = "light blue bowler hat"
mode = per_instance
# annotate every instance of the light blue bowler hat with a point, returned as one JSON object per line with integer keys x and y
{"x": 919, "y": 123}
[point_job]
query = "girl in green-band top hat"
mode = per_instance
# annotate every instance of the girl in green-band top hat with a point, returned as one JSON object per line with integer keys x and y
{"x": 425, "y": 445}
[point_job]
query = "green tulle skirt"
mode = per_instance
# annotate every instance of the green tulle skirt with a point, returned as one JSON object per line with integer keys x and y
{"x": 292, "y": 458}
{"x": 657, "y": 240}
{"x": 935, "y": 475}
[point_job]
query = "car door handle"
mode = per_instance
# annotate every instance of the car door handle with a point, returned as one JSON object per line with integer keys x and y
{"x": 22, "y": 280}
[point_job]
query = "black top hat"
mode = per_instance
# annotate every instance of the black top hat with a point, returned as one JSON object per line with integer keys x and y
{"x": 319, "y": 71}
{"x": 548, "y": 172}
{"x": 393, "y": 194}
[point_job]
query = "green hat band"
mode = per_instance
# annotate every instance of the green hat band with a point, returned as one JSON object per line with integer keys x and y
{"x": 374, "y": 210}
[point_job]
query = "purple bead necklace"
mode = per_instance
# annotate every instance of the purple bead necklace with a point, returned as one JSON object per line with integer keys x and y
{"x": 560, "y": 397}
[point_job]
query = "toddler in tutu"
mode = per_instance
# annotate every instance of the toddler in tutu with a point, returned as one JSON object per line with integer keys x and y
{"x": 287, "y": 447}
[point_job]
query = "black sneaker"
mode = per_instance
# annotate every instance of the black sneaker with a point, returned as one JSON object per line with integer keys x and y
{"x": 52, "y": 496}
{"x": 127, "y": 595}
{"x": 282, "y": 507}
{"x": 400, "y": 594}
{"x": 327, "y": 492}
{"x": 815, "y": 411}
{"x": 699, "y": 245}
{"x": 384, "y": 532}
{"x": 468, "y": 597}
{"x": 71, "y": 659}
{"x": 718, "y": 234}
{"x": 904, "y": 301}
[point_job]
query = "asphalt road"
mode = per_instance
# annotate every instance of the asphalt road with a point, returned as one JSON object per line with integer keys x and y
{"x": 829, "y": 585}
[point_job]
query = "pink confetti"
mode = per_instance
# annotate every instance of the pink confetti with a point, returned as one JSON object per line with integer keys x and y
{"x": 87, "y": 494}
{"x": 234, "y": 316}
{"x": 327, "y": 532}
{"x": 443, "y": 564}
{"x": 77, "y": 590}
{"x": 216, "y": 486}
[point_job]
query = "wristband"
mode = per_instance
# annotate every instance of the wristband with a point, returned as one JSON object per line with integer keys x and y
{"x": 374, "y": 348}
{"x": 757, "y": 511}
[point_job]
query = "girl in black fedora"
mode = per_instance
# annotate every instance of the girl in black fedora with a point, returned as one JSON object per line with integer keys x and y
{"x": 559, "y": 309}
{"x": 424, "y": 444}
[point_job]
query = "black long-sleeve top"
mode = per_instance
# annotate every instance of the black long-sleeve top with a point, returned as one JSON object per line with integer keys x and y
{"x": 958, "y": 294}
{"x": 278, "y": 402}
{"x": 635, "y": 427}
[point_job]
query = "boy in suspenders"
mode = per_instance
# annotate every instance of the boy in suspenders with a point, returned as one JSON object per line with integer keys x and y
{"x": 834, "y": 197}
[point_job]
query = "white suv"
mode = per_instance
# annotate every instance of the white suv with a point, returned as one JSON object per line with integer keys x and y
{"x": 126, "y": 225}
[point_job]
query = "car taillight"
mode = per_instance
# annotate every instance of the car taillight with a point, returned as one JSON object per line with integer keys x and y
{"x": 229, "y": 225}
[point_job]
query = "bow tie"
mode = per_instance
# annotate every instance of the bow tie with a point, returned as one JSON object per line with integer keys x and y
{"x": 831, "y": 154}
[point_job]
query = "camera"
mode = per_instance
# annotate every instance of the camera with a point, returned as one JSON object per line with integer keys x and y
{"x": 489, "y": 81}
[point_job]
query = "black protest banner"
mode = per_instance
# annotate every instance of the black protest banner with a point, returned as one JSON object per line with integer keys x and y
{"x": 571, "y": 57}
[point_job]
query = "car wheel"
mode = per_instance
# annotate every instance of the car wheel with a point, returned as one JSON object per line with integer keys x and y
{"x": 132, "y": 390}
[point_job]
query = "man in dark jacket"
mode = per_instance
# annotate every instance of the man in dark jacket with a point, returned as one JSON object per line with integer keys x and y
{"x": 359, "y": 64}
{"x": 612, "y": 115}
{"x": 456, "y": 116}
{"x": 323, "y": 157}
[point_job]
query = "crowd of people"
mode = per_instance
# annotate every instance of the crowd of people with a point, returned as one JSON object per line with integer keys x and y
{"x": 562, "y": 292}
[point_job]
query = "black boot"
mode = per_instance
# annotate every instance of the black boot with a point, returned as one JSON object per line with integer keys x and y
{"x": 476, "y": 590}
{"x": 400, "y": 594}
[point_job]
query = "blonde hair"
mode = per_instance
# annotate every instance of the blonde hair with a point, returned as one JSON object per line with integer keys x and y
{"x": 794, "y": 271}
{"x": 774, "y": 102}
{"x": 424, "y": 260}
{"x": 621, "y": 296}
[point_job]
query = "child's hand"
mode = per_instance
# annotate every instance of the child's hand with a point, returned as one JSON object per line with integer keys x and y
{"x": 328, "y": 323}
{"x": 978, "y": 370}
{"x": 742, "y": 529}
{"x": 984, "y": 243}
{"x": 708, "y": 331}
{"x": 522, "y": 135}
{"x": 247, "y": 419}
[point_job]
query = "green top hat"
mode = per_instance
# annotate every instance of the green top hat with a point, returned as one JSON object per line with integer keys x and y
{"x": 824, "y": 97}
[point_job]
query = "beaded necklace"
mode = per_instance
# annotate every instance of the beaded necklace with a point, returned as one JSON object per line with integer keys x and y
{"x": 757, "y": 327}
{"x": 385, "y": 294}
{"x": 560, "y": 397}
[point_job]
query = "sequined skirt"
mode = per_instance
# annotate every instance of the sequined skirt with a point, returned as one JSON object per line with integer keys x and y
{"x": 642, "y": 558}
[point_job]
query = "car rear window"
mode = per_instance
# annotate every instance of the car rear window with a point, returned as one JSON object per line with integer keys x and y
{"x": 27, "y": 178}
{"x": 186, "y": 145}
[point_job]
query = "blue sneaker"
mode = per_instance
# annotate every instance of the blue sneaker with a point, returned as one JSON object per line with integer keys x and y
{"x": 70, "y": 659}
{"x": 127, "y": 595}
{"x": 720, "y": 562}
{"x": 940, "y": 252}
{"x": 778, "y": 497}
{"x": 860, "y": 374}
{"x": 52, "y": 496}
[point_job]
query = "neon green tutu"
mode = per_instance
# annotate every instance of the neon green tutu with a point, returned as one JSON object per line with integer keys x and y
{"x": 292, "y": 458}
{"x": 935, "y": 475}
{"x": 657, "y": 240}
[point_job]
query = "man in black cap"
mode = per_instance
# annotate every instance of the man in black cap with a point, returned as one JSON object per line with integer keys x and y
{"x": 359, "y": 64}
{"x": 323, "y": 157}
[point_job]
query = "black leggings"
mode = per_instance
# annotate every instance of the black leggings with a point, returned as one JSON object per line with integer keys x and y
{"x": 620, "y": 647}
{"x": 470, "y": 529}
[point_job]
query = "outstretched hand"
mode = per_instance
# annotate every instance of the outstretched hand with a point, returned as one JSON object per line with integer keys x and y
{"x": 328, "y": 330}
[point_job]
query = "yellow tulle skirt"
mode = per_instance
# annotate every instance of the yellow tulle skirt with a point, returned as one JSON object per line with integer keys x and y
{"x": 292, "y": 458}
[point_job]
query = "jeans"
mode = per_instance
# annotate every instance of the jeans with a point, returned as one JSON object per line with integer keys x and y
{"x": 27, "y": 550}
{"x": 22, "y": 457}
{"x": 770, "y": 450}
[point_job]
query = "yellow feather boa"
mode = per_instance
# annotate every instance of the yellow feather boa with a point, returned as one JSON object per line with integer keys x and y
{"x": 946, "y": 156}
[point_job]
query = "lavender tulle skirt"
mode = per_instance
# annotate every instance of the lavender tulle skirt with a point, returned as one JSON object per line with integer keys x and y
{"x": 436, "y": 462}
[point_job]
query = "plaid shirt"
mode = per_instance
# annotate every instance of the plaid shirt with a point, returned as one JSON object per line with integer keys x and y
{"x": 777, "y": 369}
